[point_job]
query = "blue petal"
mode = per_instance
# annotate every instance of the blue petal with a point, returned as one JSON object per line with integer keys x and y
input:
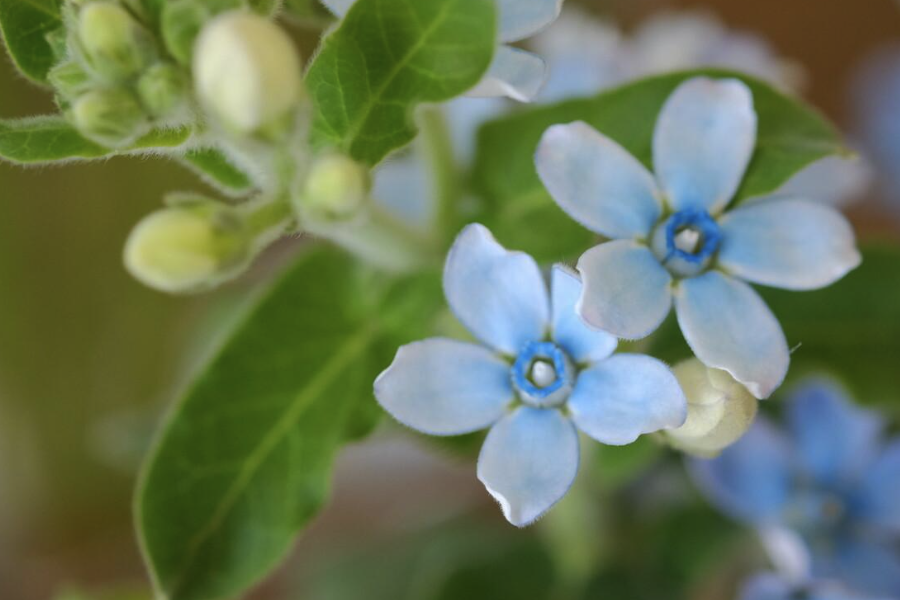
{"x": 528, "y": 462}
{"x": 445, "y": 387}
{"x": 626, "y": 291}
{"x": 751, "y": 479}
{"x": 788, "y": 243}
{"x": 833, "y": 181}
{"x": 834, "y": 438}
{"x": 703, "y": 141}
{"x": 338, "y": 7}
{"x": 864, "y": 565}
{"x": 879, "y": 495}
{"x": 498, "y": 295}
{"x": 402, "y": 186}
{"x": 622, "y": 397}
{"x": 767, "y": 586}
{"x": 580, "y": 342}
{"x": 729, "y": 327}
{"x": 597, "y": 182}
{"x": 520, "y": 19}
{"x": 514, "y": 73}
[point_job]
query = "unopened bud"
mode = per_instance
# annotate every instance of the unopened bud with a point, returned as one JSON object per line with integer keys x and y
{"x": 720, "y": 409}
{"x": 335, "y": 189}
{"x": 162, "y": 89}
{"x": 112, "y": 118}
{"x": 69, "y": 79}
{"x": 246, "y": 71}
{"x": 188, "y": 248}
{"x": 115, "y": 45}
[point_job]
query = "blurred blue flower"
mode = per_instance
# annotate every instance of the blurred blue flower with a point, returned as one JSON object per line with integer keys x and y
{"x": 769, "y": 586}
{"x": 674, "y": 241}
{"x": 830, "y": 478}
{"x": 539, "y": 375}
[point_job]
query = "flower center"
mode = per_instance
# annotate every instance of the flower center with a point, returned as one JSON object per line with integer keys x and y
{"x": 687, "y": 241}
{"x": 542, "y": 374}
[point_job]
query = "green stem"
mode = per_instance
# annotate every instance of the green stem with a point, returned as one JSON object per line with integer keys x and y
{"x": 267, "y": 219}
{"x": 438, "y": 149}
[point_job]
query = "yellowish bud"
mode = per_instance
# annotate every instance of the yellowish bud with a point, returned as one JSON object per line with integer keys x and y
{"x": 115, "y": 45}
{"x": 335, "y": 189}
{"x": 112, "y": 118}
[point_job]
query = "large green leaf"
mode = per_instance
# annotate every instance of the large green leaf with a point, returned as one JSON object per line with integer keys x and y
{"x": 244, "y": 460}
{"x": 25, "y": 25}
{"x": 521, "y": 213}
{"x": 49, "y": 139}
{"x": 388, "y": 56}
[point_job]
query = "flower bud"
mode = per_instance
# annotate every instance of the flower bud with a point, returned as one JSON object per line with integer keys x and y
{"x": 69, "y": 79}
{"x": 335, "y": 189}
{"x": 162, "y": 89}
{"x": 188, "y": 248}
{"x": 720, "y": 409}
{"x": 246, "y": 71}
{"x": 115, "y": 45}
{"x": 112, "y": 118}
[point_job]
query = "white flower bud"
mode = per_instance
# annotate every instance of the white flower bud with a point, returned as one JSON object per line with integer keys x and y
{"x": 188, "y": 248}
{"x": 334, "y": 190}
{"x": 112, "y": 118}
{"x": 246, "y": 71}
{"x": 114, "y": 44}
{"x": 720, "y": 409}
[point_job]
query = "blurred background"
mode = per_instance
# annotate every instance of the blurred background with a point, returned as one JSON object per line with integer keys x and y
{"x": 89, "y": 359}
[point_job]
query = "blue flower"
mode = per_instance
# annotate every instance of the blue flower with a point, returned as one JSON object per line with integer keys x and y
{"x": 539, "y": 375}
{"x": 829, "y": 478}
{"x": 674, "y": 241}
{"x": 769, "y": 586}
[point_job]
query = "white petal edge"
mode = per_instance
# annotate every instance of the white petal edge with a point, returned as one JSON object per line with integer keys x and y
{"x": 514, "y": 73}
{"x": 597, "y": 182}
{"x": 729, "y": 327}
{"x": 500, "y": 296}
{"x": 528, "y": 462}
{"x": 623, "y": 397}
{"x": 627, "y": 292}
{"x": 791, "y": 244}
{"x": 703, "y": 142}
{"x": 520, "y": 19}
{"x": 581, "y": 342}
{"x": 445, "y": 387}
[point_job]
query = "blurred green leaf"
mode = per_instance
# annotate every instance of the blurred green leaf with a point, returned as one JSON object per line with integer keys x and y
{"x": 48, "y": 139}
{"x": 388, "y": 56}
{"x": 216, "y": 170}
{"x": 25, "y": 25}
{"x": 244, "y": 461}
{"x": 619, "y": 465}
{"x": 521, "y": 213}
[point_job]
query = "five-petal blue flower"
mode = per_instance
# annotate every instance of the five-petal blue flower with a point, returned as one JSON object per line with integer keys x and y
{"x": 540, "y": 375}
{"x": 674, "y": 242}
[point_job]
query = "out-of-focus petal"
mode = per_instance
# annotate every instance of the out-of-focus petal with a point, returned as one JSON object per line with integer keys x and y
{"x": 581, "y": 343}
{"x": 338, "y": 7}
{"x": 627, "y": 292}
{"x": 703, "y": 141}
{"x": 729, "y": 327}
{"x": 528, "y": 462}
{"x": 514, "y": 73}
{"x": 597, "y": 182}
{"x": 864, "y": 565}
{"x": 520, "y": 19}
{"x": 622, "y": 397}
{"x": 879, "y": 495}
{"x": 790, "y": 244}
{"x": 498, "y": 295}
{"x": 445, "y": 387}
{"x": 833, "y": 181}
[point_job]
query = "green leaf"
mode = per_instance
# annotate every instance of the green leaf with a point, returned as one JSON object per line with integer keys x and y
{"x": 25, "y": 25}
{"x": 47, "y": 139}
{"x": 244, "y": 461}
{"x": 215, "y": 169}
{"x": 388, "y": 56}
{"x": 521, "y": 213}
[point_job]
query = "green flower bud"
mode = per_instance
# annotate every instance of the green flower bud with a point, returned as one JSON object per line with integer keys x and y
{"x": 720, "y": 409}
{"x": 112, "y": 118}
{"x": 115, "y": 46}
{"x": 163, "y": 89}
{"x": 246, "y": 71}
{"x": 334, "y": 190}
{"x": 69, "y": 79}
{"x": 182, "y": 20}
{"x": 188, "y": 248}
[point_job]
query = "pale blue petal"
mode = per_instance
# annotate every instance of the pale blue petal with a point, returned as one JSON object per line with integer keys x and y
{"x": 402, "y": 185}
{"x": 498, "y": 295}
{"x": 338, "y": 7}
{"x": 864, "y": 565}
{"x": 767, "y": 586}
{"x": 514, "y": 73}
{"x": 445, "y": 387}
{"x": 528, "y": 462}
{"x": 520, "y": 19}
{"x": 626, "y": 291}
{"x": 879, "y": 495}
{"x": 465, "y": 116}
{"x": 627, "y": 395}
{"x": 729, "y": 327}
{"x": 751, "y": 480}
{"x": 833, "y": 180}
{"x": 581, "y": 343}
{"x": 597, "y": 182}
{"x": 703, "y": 141}
{"x": 834, "y": 438}
{"x": 789, "y": 244}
